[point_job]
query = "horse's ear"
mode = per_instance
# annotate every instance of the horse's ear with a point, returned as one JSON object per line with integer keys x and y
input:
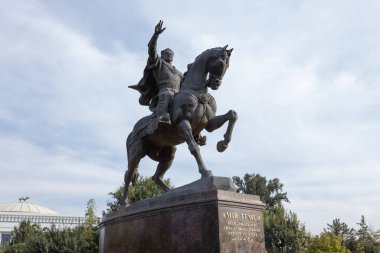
{"x": 225, "y": 47}
{"x": 229, "y": 51}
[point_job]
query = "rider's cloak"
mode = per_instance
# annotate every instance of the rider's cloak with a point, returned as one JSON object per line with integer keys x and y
{"x": 147, "y": 86}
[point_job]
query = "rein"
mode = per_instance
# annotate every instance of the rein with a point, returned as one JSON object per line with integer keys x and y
{"x": 203, "y": 98}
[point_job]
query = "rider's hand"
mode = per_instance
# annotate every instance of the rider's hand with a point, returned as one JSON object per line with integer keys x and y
{"x": 158, "y": 29}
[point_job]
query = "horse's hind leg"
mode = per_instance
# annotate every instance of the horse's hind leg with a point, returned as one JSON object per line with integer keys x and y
{"x": 217, "y": 122}
{"x": 135, "y": 153}
{"x": 165, "y": 158}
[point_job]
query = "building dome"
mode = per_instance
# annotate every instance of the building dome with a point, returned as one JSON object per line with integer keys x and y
{"x": 12, "y": 214}
{"x": 26, "y": 208}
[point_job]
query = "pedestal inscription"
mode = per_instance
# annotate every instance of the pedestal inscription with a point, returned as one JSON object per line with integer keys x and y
{"x": 241, "y": 229}
{"x": 245, "y": 227}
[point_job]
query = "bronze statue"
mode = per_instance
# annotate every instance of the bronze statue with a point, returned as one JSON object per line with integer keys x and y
{"x": 191, "y": 110}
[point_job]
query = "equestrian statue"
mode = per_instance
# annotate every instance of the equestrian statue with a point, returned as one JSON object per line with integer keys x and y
{"x": 181, "y": 108}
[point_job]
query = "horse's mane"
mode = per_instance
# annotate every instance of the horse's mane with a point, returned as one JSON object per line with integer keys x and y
{"x": 206, "y": 51}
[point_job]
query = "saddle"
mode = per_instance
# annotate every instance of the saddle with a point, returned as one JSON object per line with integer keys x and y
{"x": 151, "y": 124}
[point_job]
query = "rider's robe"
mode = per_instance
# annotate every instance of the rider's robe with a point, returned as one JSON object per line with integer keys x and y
{"x": 147, "y": 86}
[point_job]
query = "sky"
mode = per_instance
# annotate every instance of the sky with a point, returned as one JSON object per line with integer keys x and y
{"x": 303, "y": 78}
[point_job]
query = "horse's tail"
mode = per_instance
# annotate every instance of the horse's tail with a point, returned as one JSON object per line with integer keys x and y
{"x": 128, "y": 144}
{"x": 135, "y": 175}
{"x": 139, "y": 131}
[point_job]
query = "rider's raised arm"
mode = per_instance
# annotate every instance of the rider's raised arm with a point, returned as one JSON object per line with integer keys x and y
{"x": 152, "y": 48}
{"x": 152, "y": 45}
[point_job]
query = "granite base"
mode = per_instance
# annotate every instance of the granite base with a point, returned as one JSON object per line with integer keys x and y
{"x": 207, "y": 216}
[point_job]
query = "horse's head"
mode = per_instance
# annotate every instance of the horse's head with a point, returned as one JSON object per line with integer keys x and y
{"x": 217, "y": 65}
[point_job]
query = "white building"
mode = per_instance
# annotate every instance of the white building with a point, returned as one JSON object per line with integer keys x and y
{"x": 12, "y": 214}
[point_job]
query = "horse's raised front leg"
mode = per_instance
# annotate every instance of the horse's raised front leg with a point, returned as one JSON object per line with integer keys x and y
{"x": 186, "y": 133}
{"x": 218, "y": 121}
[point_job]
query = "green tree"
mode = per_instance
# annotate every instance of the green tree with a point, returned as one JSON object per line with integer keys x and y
{"x": 62, "y": 240}
{"x": 366, "y": 239}
{"x": 338, "y": 228}
{"x": 145, "y": 188}
{"x": 270, "y": 191}
{"x": 28, "y": 237}
{"x": 89, "y": 232}
{"x": 327, "y": 243}
{"x": 376, "y": 241}
{"x": 24, "y": 231}
{"x": 362, "y": 235}
{"x": 342, "y": 230}
{"x": 283, "y": 231}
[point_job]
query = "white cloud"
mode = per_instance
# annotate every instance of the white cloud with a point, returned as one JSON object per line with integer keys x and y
{"x": 321, "y": 194}
{"x": 27, "y": 169}
{"x": 60, "y": 98}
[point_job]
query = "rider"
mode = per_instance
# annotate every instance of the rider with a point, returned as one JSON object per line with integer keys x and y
{"x": 160, "y": 79}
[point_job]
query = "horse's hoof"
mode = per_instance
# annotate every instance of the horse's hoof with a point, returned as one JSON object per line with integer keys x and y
{"x": 221, "y": 146}
{"x": 124, "y": 203}
{"x": 207, "y": 173}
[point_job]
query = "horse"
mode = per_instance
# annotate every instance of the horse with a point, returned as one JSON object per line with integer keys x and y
{"x": 192, "y": 110}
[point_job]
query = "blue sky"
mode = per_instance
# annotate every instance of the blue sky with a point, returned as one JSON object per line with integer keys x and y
{"x": 303, "y": 78}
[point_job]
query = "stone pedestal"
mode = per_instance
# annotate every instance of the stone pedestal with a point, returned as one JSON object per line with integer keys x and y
{"x": 206, "y": 216}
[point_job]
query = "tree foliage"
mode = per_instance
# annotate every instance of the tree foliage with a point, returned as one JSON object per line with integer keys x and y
{"x": 342, "y": 230}
{"x": 367, "y": 239}
{"x": 363, "y": 240}
{"x": 89, "y": 230}
{"x": 283, "y": 230}
{"x": 145, "y": 188}
{"x": 327, "y": 243}
{"x": 270, "y": 191}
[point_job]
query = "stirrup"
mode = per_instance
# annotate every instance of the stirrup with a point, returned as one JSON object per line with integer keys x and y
{"x": 164, "y": 119}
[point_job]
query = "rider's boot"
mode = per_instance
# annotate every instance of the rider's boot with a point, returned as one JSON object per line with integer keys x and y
{"x": 162, "y": 109}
